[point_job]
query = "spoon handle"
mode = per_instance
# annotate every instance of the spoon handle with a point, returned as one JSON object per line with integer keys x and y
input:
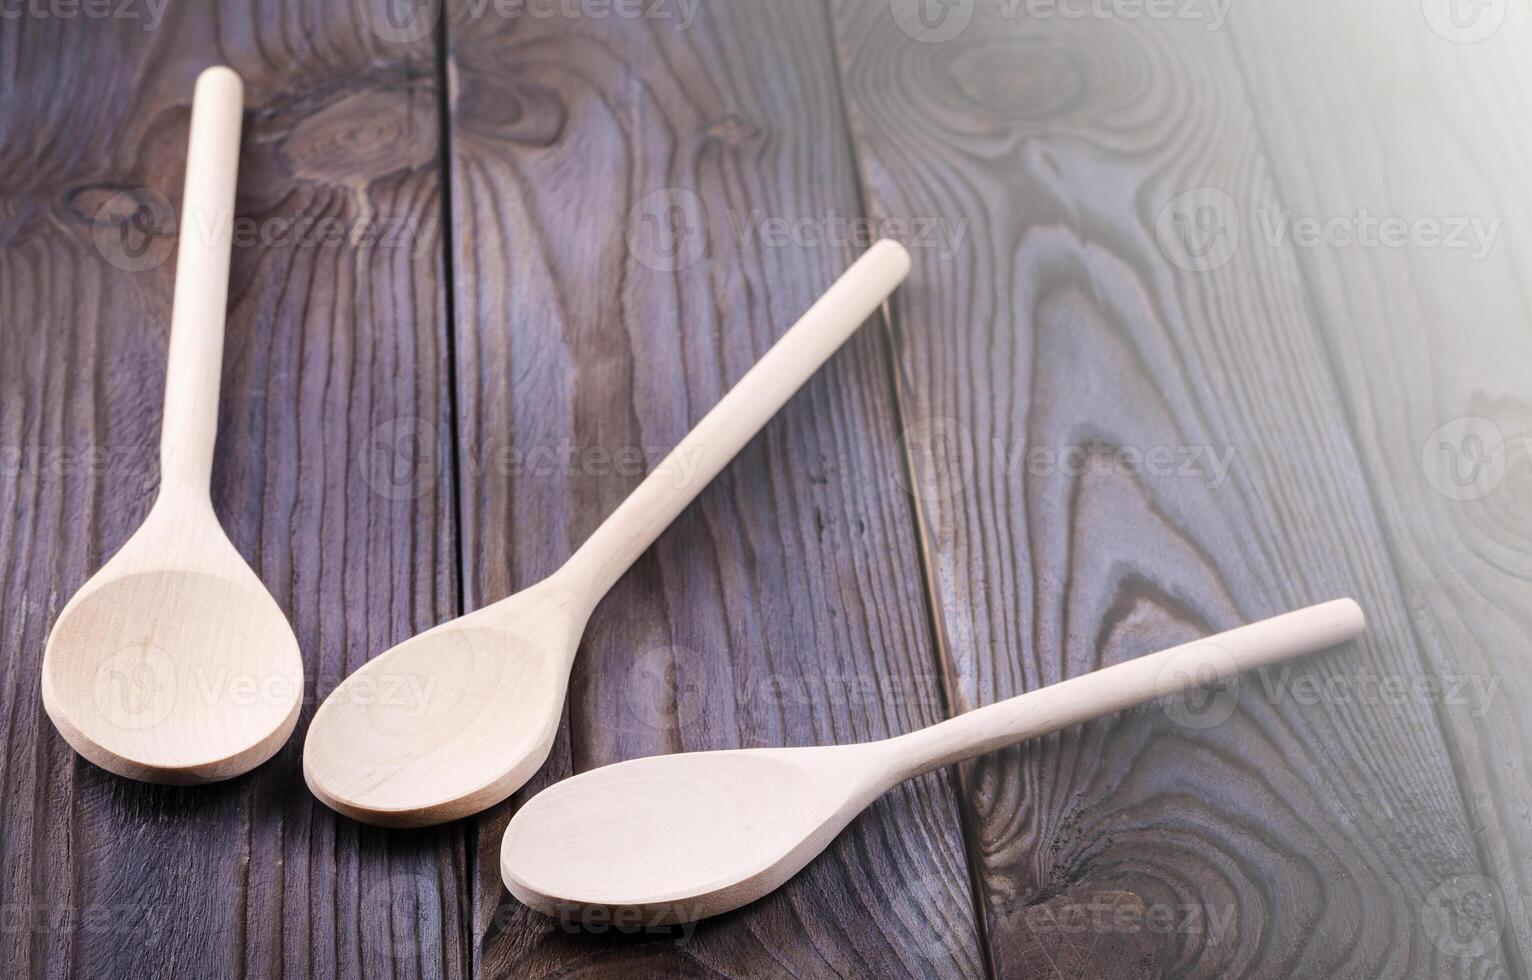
{"x": 737, "y": 417}
{"x": 1124, "y": 685}
{"x": 206, "y": 226}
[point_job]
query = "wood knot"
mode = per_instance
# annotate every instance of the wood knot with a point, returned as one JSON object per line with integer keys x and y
{"x": 514, "y": 109}
{"x": 360, "y": 137}
{"x": 734, "y": 132}
{"x": 1019, "y": 78}
{"x": 114, "y": 204}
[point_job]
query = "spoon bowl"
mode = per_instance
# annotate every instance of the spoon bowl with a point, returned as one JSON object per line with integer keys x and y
{"x": 449, "y": 722}
{"x": 174, "y": 673}
{"x": 675, "y": 838}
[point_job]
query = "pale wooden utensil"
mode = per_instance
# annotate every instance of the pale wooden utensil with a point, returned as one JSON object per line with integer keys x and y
{"x": 675, "y": 838}
{"x": 173, "y": 664}
{"x": 458, "y": 718}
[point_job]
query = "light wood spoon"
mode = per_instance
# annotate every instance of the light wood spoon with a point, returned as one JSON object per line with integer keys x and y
{"x": 458, "y": 718}
{"x": 675, "y": 838}
{"x": 173, "y": 664}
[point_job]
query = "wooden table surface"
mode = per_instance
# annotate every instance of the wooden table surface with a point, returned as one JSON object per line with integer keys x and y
{"x": 1215, "y": 312}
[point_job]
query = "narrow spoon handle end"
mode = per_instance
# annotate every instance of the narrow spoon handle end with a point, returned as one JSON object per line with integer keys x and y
{"x": 1116, "y": 688}
{"x": 205, "y": 226}
{"x": 737, "y": 417}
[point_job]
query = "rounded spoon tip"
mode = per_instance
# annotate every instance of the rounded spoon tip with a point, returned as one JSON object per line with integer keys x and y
{"x": 173, "y": 676}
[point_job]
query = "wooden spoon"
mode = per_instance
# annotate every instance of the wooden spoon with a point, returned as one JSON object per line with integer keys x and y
{"x": 675, "y": 838}
{"x": 458, "y": 718}
{"x": 173, "y": 664}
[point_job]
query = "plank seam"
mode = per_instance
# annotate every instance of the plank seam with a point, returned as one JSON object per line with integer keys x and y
{"x": 939, "y": 642}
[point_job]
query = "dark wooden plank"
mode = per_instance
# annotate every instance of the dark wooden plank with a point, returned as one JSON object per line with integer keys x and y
{"x": 785, "y": 607}
{"x": 331, "y": 342}
{"x": 1431, "y": 344}
{"x": 1300, "y": 835}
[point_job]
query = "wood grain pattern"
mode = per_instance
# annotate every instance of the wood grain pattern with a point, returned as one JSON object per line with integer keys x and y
{"x": 1037, "y": 163}
{"x": 784, "y": 607}
{"x": 1431, "y": 346}
{"x": 328, "y": 344}
{"x": 1043, "y": 369}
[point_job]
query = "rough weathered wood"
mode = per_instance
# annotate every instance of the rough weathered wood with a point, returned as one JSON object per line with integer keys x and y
{"x": 1432, "y": 347}
{"x": 785, "y": 606}
{"x": 1298, "y": 836}
{"x": 330, "y": 343}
